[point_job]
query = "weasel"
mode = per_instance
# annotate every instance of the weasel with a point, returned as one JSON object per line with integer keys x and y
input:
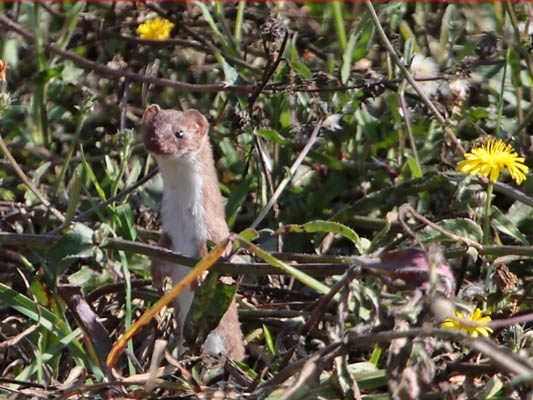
{"x": 192, "y": 211}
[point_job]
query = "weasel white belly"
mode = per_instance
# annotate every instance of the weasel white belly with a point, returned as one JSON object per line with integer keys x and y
{"x": 184, "y": 222}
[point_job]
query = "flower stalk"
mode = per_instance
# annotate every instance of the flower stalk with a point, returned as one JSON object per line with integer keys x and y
{"x": 489, "y": 160}
{"x": 486, "y": 213}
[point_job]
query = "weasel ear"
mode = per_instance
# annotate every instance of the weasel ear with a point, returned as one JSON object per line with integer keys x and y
{"x": 150, "y": 113}
{"x": 196, "y": 120}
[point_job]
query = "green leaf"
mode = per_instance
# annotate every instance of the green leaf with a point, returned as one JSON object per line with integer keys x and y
{"x": 463, "y": 227}
{"x": 368, "y": 378}
{"x": 492, "y": 389}
{"x": 76, "y": 243}
{"x": 212, "y": 24}
{"x": 45, "y": 318}
{"x": 346, "y": 67}
{"x": 70, "y": 73}
{"x": 92, "y": 176}
{"x": 211, "y": 301}
{"x": 126, "y": 222}
{"x": 324, "y": 226}
{"x": 302, "y": 69}
{"x": 307, "y": 280}
{"x": 415, "y": 169}
{"x": 230, "y": 74}
{"x": 41, "y": 170}
{"x": 46, "y": 75}
{"x": 249, "y": 234}
{"x": 504, "y": 225}
{"x": 74, "y": 190}
{"x": 89, "y": 279}
{"x": 363, "y": 44}
{"x": 236, "y": 198}
{"x": 388, "y": 198}
{"x": 273, "y": 136}
{"x": 376, "y": 354}
{"x": 269, "y": 341}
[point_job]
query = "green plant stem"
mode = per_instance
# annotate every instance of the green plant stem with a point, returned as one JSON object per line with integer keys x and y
{"x": 292, "y": 170}
{"x": 486, "y": 214}
{"x": 72, "y": 148}
{"x": 410, "y": 79}
{"x": 502, "y": 89}
{"x": 40, "y": 120}
{"x": 238, "y": 23}
{"x": 27, "y": 181}
{"x": 339, "y": 23}
{"x": 311, "y": 264}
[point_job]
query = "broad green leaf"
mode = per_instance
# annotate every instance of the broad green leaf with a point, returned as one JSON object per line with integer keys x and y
{"x": 501, "y": 223}
{"x": 89, "y": 279}
{"x": 363, "y": 43}
{"x": 126, "y": 222}
{"x": 46, "y": 75}
{"x": 41, "y": 170}
{"x": 249, "y": 234}
{"x": 211, "y": 301}
{"x": 230, "y": 74}
{"x": 75, "y": 243}
{"x": 346, "y": 67}
{"x": 415, "y": 169}
{"x": 492, "y": 388}
{"x": 70, "y": 73}
{"x": 369, "y": 379}
{"x": 273, "y": 136}
{"x": 324, "y": 226}
{"x": 388, "y": 198}
{"x": 302, "y": 69}
{"x": 463, "y": 227}
{"x": 519, "y": 213}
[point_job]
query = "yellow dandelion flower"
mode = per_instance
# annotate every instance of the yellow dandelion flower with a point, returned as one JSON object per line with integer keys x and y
{"x": 155, "y": 29}
{"x": 471, "y": 324}
{"x": 491, "y": 158}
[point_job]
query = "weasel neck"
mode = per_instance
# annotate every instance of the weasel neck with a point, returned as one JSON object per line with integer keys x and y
{"x": 182, "y": 210}
{"x": 193, "y": 208}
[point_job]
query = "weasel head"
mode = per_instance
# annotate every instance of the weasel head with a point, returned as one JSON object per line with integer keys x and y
{"x": 172, "y": 133}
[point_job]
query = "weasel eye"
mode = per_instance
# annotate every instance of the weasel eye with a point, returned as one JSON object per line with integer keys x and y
{"x": 179, "y": 134}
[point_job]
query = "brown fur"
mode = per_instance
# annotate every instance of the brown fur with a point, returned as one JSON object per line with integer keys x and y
{"x": 158, "y": 131}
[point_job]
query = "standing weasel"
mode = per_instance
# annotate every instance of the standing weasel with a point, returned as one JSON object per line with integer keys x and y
{"x": 192, "y": 211}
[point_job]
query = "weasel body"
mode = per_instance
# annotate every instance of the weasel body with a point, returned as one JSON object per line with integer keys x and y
{"x": 192, "y": 211}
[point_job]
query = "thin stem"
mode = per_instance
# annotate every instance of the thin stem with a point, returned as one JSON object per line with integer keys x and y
{"x": 27, "y": 181}
{"x": 502, "y": 90}
{"x": 486, "y": 214}
{"x": 409, "y": 77}
{"x": 412, "y": 142}
{"x": 339, "y": 23}
{"x": 288, "y": 178}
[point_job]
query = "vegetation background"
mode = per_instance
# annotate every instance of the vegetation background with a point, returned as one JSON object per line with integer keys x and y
{"x": 339, "y": 174}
